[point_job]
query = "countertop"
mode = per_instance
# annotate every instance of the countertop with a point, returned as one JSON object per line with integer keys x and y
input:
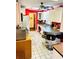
{"x": 21, "y": 34}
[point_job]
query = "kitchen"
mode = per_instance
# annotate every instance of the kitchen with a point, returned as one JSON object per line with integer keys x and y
{"x": 34, "y": 18}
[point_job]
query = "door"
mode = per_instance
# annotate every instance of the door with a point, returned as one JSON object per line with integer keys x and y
{"x": 32, "y": 21}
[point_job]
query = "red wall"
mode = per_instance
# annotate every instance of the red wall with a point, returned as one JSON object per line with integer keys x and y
{"x": 27, "y": 11}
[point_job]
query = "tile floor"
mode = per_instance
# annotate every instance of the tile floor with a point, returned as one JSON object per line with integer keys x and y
{"x": 39, "y": 51}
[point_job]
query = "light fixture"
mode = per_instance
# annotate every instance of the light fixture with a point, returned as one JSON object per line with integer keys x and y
{"x": 43, "y": 7}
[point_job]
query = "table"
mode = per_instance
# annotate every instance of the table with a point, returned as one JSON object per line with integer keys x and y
{"x": 59, "y": 48}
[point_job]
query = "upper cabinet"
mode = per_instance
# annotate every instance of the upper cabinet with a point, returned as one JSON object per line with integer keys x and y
{"x": 55, "y": 15}
{"x": 52, "y": 15}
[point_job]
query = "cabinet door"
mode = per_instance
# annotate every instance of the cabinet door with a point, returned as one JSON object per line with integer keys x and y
{"x": 57, "y": 15}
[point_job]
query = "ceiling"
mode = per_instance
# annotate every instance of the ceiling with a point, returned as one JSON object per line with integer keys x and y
{"x": 36, "y": 3}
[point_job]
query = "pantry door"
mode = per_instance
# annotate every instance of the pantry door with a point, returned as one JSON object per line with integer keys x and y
{"x": 32, "y": 21}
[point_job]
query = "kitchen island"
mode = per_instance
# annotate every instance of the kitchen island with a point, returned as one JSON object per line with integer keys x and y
{"x": 23, "y": 45}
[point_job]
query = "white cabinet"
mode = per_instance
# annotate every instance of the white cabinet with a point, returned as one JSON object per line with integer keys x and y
{"x": 55, "y": 15}
{"x": 51, "y": 15}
